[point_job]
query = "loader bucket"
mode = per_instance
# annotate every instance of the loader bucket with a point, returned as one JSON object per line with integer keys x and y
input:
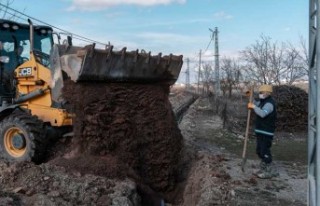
{"x": 90, "y": 64}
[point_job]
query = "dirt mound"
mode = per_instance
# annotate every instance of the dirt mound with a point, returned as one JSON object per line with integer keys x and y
{"x": 292, "y": 108}
{"x": 47, "y": 184}
{"x": 129, "y": 122}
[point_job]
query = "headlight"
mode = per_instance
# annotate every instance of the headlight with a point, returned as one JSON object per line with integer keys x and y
{"x": 15, "y": 27}
{"x": 6, "y": 25}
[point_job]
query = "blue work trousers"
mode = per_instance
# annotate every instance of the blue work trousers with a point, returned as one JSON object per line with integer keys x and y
{"x": 263, "y": 147}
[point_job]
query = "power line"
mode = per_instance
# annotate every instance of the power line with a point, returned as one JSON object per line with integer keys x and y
{"x": 14, "y": 15}
{"x": 208, "y": 44}
{"x": 85, "y": 40}
{"x": 42, "y": 22}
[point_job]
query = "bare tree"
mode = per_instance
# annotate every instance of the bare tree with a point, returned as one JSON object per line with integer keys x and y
{"x": 304, "y": 54}
{"x": 294, "y": 67}
{"x": 256, "y": 58}
{"x": 275, "y": 64}
{"x": 207, "y": 77}
{"x": 270, "y": 62}
{"x": 6, "y": 13}
{"x": 231, "y": 73}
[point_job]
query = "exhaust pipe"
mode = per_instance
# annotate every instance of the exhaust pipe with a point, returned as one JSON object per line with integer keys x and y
{"x": 31, "y": 35}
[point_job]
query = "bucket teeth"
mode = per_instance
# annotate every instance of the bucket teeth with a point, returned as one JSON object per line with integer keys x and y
{"x": 159, "y": 58}
{"x": 123, "y": 53}
{"x": 169, "y": 60}
{"x": 136, "y": 54}
{"x": 121, "y": 65}
{"x": 109, "y": 53}
{"x": 92, "y": 50}
{"x": 148, "y": 58}
{"x": 108, "y": 46}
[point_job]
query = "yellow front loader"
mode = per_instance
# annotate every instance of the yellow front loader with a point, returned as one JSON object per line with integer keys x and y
{"x": 32, "y": 109}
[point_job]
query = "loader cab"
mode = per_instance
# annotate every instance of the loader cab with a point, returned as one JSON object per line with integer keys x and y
{"x": 42, "y": 43}
{"x": 15, "y": 50}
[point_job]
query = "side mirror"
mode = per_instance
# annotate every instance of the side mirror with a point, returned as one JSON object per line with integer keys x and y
{"x": 68, "y": 41}
{"x": 69, "y": 38}
{"x": 4, "y": 59}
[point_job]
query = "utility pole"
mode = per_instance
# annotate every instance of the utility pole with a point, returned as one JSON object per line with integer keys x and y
{"x": 199, "y": 71}
{"x": 188, "y": 74}
{"x": 216, "y": 60}
{"x": 314, "y": 105}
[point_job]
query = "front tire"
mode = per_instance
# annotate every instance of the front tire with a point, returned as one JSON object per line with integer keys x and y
{"x": 22, "y": 138}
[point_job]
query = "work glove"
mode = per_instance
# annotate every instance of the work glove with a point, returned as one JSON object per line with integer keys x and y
{"x": 251, "y": 106}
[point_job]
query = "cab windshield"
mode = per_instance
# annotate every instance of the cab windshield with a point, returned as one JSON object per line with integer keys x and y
{"x": 15, "y": 43}
{"x": 43, "y": 42}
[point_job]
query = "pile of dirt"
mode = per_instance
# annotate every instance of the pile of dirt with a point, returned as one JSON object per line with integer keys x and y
{"x": 47, "y": 184}
{"x": 131, "y": 125}
{"x": 292, "y": 108}
{"x": 107, "y": 166}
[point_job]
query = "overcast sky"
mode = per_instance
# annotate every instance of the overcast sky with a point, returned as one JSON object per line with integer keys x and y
{"x": 175, "y": 26}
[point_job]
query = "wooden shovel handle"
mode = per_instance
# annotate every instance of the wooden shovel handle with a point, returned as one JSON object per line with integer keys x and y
{"x": 248, "y": 126}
